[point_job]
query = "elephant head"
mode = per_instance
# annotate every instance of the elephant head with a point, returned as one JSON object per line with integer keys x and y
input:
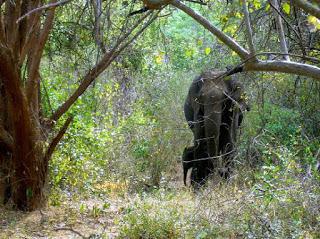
{"x": 214, "y": 110}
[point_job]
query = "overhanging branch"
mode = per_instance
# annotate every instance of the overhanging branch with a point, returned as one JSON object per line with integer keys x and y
{"x": 50, "y": 5}
{"x": 285, "y": 67}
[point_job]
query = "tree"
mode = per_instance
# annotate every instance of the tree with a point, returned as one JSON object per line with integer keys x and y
{"x": 25, "y": 148}
{"x": 250, "y": 61}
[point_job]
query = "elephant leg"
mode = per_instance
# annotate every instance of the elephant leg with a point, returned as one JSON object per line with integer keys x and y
{"x": 226, "y": 148}
{"x": 227, "y": 139}
{"x": 187, "y": 158}
{"x": 198, "y": 173}
{"x": 212, "y": 122}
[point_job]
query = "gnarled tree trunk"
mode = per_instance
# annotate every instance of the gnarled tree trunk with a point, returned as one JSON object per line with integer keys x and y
{"x": 23, "y": 164}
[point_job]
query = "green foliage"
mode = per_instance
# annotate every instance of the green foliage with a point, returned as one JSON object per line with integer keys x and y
{"x": 287, "y": 207}
{"x": 148, "y": 218}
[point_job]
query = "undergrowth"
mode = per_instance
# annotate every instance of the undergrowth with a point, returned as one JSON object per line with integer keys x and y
{"x": 289, "y": 209}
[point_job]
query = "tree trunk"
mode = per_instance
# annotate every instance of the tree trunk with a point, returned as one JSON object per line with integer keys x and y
{"x": 27, "y": 167}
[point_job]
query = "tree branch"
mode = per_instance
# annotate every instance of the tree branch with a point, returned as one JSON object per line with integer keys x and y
{"x": 231, "y": 43}
{"x": 98, "y": 35}
{"x": 287, "y": 22}
{"x": 35, "y": 57}
{"x": 276, "y": 66}
{"x": 285, "y": 67}
{"x": 50, "y": 5}
{"x": 197, "y": 2}
{"x": 57, "y": 139}
{"x": 248, "y": 27}
{"x": 93, "y": 73}
{"x": 283, "y": 44}
{"x": 308, "y": 7}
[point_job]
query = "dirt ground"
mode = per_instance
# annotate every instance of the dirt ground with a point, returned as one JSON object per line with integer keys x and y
{"x": 89, "y": 218}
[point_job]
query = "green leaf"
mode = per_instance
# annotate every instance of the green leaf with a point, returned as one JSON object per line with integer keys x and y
{"x": 256, "y": 4}
{"x": 286, "y": 8}
{"x": 314, "y": 21}
{"x": 268, "y": 7}
{"x": 207, "y": 50}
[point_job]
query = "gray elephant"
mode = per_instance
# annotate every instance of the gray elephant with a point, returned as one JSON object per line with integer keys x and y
{"x": 189, "y": 162}
{"x": 214, "y": 111}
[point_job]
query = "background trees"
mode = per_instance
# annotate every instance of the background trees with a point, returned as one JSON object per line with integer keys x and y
{"x": 129, "y": 121}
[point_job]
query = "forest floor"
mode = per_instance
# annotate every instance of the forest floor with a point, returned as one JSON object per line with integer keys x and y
{"x": 232, "y": 209}
{"x": 76, "y": 217}
{"x": 89, "y": 218}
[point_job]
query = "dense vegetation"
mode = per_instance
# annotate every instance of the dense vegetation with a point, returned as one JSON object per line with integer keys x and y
{"x": 128, "y": 129}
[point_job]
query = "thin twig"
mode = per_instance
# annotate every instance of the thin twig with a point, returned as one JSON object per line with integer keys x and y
{"x": 70, "y": 229}
{"x": 248, "y": 27}
{"x": 208, "y": 158}
{"x": 50, "y": 5}
{"x": 283, "y": 43}
{"x": 288, "y": 23}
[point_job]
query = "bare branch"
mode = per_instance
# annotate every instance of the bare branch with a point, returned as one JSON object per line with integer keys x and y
{"x": 276, "y": 66}
{"x": 93, "y": 73}
{"x": 283, "y": 44}
{"x": 197, "y": 2}
{"x": 248, "y": 27}
{"x": 231, "y": 43}
{"x": 136, "y": 35}
{"x": 35, "y": 58}
{"x": 285, "y": 67}
{"x": 57, "y": 139}
{"x": 287, "y": 22}
{"x": 50, "y": 5}
{"x": 306, "y": 58}
{"x": 98, "y": 35}
{"x": 308, "y": 7}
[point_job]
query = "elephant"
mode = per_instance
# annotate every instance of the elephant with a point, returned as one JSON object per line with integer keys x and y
{"x": 188, "y": 162}
{"x": 214, "y": 111}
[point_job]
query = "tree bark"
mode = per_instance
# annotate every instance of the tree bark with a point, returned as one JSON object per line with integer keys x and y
{"x": 27, "y": 170}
